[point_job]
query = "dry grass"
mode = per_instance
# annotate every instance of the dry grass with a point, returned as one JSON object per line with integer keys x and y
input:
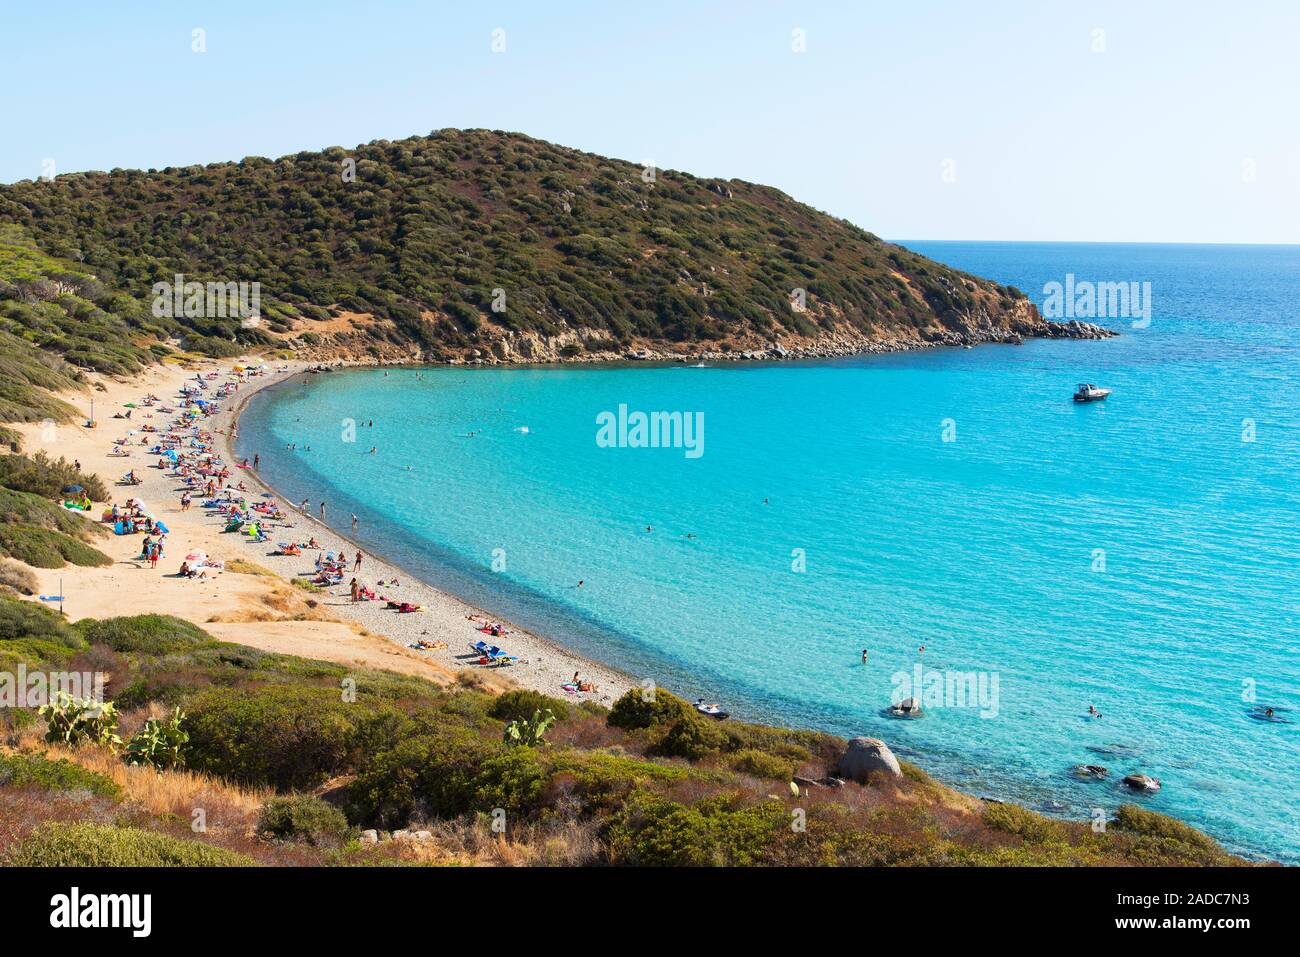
{"x": 281, "y": 603}
{"x": 16, "y": 575}
{"x": 179, "y": 793}
{"x": 470, "y": 841}
{"x": 241, "y": 566}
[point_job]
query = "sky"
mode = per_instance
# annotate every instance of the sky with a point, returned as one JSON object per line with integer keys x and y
{"x": 1037, "y": 120}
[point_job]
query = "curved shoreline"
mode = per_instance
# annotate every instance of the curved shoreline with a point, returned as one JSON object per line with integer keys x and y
{"x": 546, "y": 665}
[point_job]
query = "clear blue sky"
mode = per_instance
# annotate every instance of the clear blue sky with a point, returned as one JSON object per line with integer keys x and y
{"x": 1146, "y": 141}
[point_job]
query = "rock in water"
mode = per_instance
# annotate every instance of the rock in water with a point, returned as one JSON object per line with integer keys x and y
{"x": 1095, "y": 771}
{"x": 867, "y": 755}
{"x": 1142, "y": 782}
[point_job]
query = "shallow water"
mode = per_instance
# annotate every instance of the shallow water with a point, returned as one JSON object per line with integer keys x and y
{"x": 1136, "y": 555}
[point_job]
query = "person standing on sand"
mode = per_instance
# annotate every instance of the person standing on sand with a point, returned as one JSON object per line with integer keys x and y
{"x": 357, "y": 565}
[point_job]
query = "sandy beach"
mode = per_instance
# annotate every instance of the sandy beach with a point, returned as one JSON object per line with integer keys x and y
{"x": 264, "y": 610}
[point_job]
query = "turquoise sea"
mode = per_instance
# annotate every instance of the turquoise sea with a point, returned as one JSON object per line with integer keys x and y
{"x": 1141, "y": 555}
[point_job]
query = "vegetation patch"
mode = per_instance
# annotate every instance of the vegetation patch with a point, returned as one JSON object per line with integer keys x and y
{"x": 100, "y": 845}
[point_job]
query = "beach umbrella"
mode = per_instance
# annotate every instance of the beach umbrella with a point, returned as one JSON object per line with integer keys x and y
{"x": 72, "y": 489}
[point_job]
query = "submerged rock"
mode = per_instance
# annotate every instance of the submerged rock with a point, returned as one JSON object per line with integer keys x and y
{"x": 866, "y": 756}
{"x": 1091, "y": 772}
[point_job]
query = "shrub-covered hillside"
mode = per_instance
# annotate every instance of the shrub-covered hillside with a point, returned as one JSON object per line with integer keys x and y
{"x": 293, "y": 761}
{"x": 400, "y": 246}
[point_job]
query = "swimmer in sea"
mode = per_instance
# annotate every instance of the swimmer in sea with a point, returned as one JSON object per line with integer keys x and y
{"x": 864, "y": 656}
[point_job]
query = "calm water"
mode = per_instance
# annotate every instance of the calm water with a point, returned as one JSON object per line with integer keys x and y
{"x": 1136, "y": 555}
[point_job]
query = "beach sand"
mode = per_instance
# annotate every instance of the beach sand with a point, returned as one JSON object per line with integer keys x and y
{"x": 256, "y": 609}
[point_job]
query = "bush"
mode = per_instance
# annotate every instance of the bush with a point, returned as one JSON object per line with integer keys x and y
{"x": 445, "y": 772}
{"x": 519, "y": 706}
{"x": 603, "y": 781}
{"x": 691, "y": 738}
{"x": 99, "y": 845}
{"x": 150, "y": 634}
{"x": 291, "y": 738}
{"x": 304, "y": 819}
{"x": 654, "y": 832}
{"x": 24, "y": 619}
{"x": 36, "y": 770}
{"x": 1138, "y": 820}
{"x": 41, "y": 475}
{"x": 46, "y": 548}
{"x": 762, "y": 765}
{"x": 1025, "y": 824}
{"x": 639, "y": 709}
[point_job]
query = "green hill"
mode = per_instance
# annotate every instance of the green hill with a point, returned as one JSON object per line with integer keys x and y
{"x": 400, "y": 249}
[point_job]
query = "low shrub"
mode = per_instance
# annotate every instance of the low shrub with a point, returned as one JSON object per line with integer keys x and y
{"x": 46, "y": 548}
{"x": 47, "y": 477}
{"x": 447, "y": 771}
{"x": 639, "y": 708}
{"x": 519, "y": 706}
{"x": 1025, "y": 824}
{"x": 303, "y": 819}
{"x": 100, "y": 845}
{"x": 150, "y": 634}
{"x": 289, "y": 737}
{"x": 36, "y": 770}
{"x": 1137, "y": 820}
{"x": 24, "y": 619}
{"x": 692, "y": 738}
{"x": 762, "y": 765}
{"x": 655, "y": 832}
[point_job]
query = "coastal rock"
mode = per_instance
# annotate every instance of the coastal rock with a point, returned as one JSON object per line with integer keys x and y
{"x": 866, "y": 756}
{"x": 1093, "y": 772}
{"x": 1142, "y": 782}
{"x": 370, "y": 836}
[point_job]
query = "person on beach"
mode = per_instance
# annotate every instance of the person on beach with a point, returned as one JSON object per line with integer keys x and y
{"x": 257, "y": 460}
{"x": 322, "y": 511}
{"x": 356, "y": 590}
{"x": 354, "y": 522}
{"x": 306, "y": 504}
{"x": 357, "y": 565}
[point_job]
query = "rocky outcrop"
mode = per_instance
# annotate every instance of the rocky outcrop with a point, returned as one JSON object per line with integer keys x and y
{"x": 865, "y": 757}
{"x": 1142, "y": 782}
